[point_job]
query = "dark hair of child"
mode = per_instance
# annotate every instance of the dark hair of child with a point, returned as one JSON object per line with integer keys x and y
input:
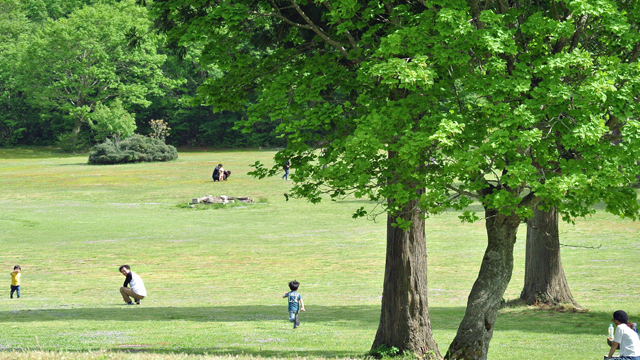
{"x": 124, "y": 267}
{"x": 17, "y": 267}
{"x": 293, "y": 285}
{"x": 621, "y": 316}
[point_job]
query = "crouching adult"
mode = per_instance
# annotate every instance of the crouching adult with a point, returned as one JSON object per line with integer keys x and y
{"x": 216, "y": 173}
{"x": 136, "y": 289}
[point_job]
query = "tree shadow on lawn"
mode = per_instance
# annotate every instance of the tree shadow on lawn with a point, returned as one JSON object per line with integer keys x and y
{"x": 244, "y": 351}
{"x": 364, "y": 314}
{"x": 75, "y": 164}
{"x": 240, "y": 352}
{"x": 36, "y": 153}
{"x": 532, "y": 320}
{"x": 522, "y": 318}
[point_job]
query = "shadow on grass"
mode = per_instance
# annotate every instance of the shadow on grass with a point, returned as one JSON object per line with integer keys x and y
{"x": 363, "y": 314}
{"x": 532, "y": 320}
{"x": 522, "y": 319}
{"x": 75, "y": 164}
{"x": 239, "y": 352}
{"x": 36, "y": 153}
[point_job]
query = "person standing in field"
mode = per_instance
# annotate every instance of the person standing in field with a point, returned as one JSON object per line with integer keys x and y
{"x": 295, "y": 303}
{"x": 15, "y": 281}
{"x": 286, "y": 167}
{"x": 136, "y": 291}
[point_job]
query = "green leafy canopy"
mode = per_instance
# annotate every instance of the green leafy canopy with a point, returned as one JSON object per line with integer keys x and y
{"x": 75, "y": 63}
{"x": 506, "y": 103}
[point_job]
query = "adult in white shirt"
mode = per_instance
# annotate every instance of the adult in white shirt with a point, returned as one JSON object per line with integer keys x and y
{"x": 136, "y": 289}
{"x": 626, "y": 337}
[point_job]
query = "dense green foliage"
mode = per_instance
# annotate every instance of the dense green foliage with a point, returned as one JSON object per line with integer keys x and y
{"x": 507, "y": 103}
{"x": 58, "y": 59}
{"x": 112, "y": 121}
{"x": 136, "y": 148}
{"x": 75, "y": 63}
{"x": 521, "y": 100}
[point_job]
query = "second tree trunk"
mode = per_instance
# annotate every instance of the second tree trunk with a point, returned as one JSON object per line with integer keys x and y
{"x": 544, "y": 279}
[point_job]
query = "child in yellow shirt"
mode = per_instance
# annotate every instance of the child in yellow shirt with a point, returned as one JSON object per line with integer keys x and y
{"x": 15, "y": 281}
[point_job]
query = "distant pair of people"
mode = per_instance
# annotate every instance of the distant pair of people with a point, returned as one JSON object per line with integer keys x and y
{"x": 219, "y": 174}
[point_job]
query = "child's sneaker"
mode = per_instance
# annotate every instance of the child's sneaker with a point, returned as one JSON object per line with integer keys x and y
{"x": 129, "y": 303}
{"x": 138, "y": 302}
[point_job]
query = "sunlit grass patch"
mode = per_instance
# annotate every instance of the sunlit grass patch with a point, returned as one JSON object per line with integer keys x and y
{"x": 216, "y": 278}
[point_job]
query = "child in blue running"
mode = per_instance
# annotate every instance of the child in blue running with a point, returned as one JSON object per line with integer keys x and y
{"x": 295, "y": 303}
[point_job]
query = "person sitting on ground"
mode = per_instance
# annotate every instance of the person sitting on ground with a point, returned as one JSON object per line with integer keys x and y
{"x": 216, "y": 173}
{"x": 626, "y": 337}
{"x": 137, "y": 289}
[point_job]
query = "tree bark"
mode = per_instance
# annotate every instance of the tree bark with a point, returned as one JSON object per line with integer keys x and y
{"x": 76, "y": 131}
{"x": 404, "y": 318}
{"x": 485, "y": 299}
{"x": 544, "y": 279}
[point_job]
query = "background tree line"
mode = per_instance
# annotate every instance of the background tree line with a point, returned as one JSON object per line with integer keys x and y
{"x": 64, "y": 63}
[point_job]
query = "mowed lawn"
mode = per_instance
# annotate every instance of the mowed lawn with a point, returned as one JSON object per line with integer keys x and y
{"x": 215, "y": 278}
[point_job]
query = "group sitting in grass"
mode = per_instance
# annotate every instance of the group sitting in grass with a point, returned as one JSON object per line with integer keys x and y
{"x": 220, "y": 174}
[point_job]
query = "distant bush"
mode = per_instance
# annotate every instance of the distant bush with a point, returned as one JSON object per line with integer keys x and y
{"x": 136, "y": 148}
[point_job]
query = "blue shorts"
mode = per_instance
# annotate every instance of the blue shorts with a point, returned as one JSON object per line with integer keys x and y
{"x": 292, "y": 315}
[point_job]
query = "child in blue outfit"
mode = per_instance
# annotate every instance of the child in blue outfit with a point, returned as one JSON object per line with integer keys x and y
{"x": 295, "y": 303}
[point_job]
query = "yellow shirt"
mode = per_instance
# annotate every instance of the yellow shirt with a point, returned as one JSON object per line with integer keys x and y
{"x": 15, "y": 278}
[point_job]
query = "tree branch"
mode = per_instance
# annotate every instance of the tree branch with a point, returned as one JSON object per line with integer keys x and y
{"x": 530, "y": 200}
{"x": 351, "y": 39}
{"x": 462, "y": 192}
{"x": 475, "y": 9}
{"x": 635, "y": 53}
{"x": 319, "y": 31}
{"x": 280, "y": 16}
{"x": 575, "y": 38}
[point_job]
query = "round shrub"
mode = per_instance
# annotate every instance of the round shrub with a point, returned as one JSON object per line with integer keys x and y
{"x": 135, "y": 148}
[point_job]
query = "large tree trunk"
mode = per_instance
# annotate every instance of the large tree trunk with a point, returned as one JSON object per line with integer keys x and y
{"x": 544, "y": 280}
{"x": 404, "y": 319}
{"x": 476, "y": 328}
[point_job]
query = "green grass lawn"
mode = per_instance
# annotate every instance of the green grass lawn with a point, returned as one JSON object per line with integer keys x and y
{"x": 215, "y": 278}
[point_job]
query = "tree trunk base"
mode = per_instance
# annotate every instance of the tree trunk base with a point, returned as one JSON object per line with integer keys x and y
{"x": 404, "y": 318}
{"x": 544, "y": 280}
{"x": 546, "y": 299}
